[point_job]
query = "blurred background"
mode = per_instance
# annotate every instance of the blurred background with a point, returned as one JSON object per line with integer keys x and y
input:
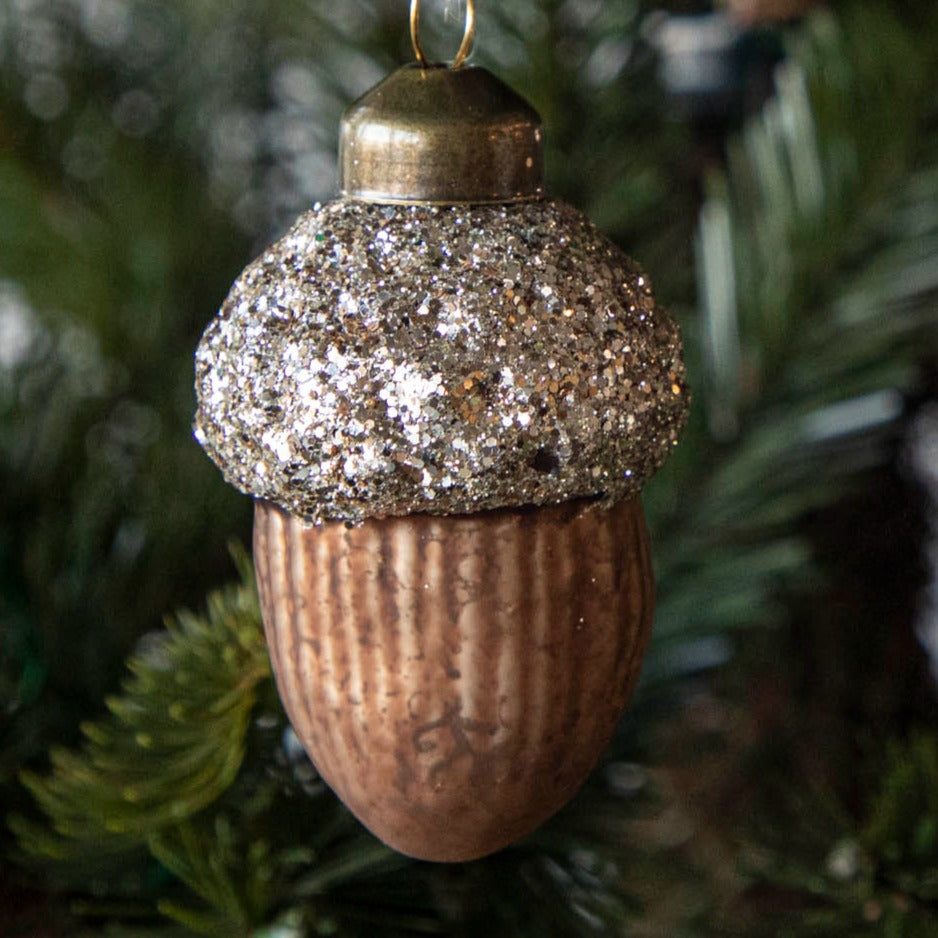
{"x": 774, "y": 166}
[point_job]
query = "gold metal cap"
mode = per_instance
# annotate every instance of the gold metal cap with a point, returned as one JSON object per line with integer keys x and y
{"x": 441, "y": 135}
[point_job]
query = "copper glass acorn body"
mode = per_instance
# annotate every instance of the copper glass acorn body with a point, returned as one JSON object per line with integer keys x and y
{"x": 455, "y": 678}
{"x": 445, "y": 392}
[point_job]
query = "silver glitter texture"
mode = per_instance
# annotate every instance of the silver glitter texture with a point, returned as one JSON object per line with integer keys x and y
{"x": 387, "y": 360}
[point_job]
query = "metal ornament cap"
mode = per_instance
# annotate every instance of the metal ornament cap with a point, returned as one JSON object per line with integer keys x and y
{"x": 442, "y": 136}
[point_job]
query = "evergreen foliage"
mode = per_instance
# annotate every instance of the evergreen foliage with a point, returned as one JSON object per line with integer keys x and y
{"x": 870, "y": 875}
{"x": 189, "y": 809}
{"x": 816, "y": 304}
{"x": 179, "y": 726}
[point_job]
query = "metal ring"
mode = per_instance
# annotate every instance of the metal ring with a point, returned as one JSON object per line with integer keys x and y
{"x": 468, "y": 38}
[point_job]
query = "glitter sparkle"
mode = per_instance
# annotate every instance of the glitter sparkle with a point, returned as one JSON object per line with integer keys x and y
{"x": 390, "y": 360}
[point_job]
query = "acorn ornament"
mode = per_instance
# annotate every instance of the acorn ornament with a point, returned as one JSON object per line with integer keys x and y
{"x": 445, "y": 390}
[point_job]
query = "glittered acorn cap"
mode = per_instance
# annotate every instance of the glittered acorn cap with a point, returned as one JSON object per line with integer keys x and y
{"x": 442, "y": 339}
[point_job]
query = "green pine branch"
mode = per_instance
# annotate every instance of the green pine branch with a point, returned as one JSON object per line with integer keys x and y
{"x": 818, "y": 286}
{"x": 875, "y": 875}
{"x": 174, "y": 741}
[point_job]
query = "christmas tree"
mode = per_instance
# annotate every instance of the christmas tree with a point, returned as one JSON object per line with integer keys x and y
{"x": 777, "y": 772}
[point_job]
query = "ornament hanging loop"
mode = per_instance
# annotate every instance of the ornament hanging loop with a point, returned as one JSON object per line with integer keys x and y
{"x": 468, "y": 39}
